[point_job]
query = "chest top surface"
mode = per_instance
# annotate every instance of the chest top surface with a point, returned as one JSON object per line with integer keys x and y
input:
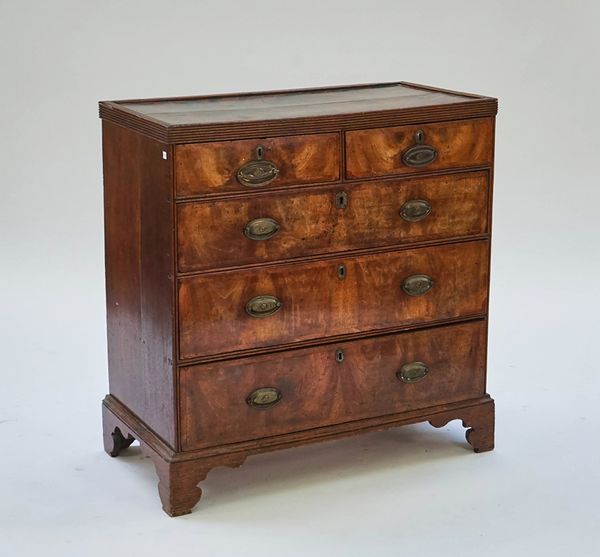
{"x": 190, "y": 119}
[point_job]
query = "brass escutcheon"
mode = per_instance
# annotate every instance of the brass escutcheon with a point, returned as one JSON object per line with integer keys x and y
{"x": 341, "y": 200}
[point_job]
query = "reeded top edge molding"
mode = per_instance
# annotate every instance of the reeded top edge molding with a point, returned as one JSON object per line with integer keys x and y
{"x": 197, "y": 119}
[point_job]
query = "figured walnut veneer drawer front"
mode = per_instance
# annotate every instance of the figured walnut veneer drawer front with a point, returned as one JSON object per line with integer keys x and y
{"x": 301, "y": 389}
{"x": 253, "y": 164}
{"x": 301, "y": 301}
{"x": 419, "y": 148}
{"x": 213, "y": 234}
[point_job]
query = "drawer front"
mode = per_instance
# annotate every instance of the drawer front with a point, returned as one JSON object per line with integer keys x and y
{"x": 213, "y": 234}
{"x": 254, "y": 164}
{"x": 261, "y": 396}
{"x": 238, "y": 310}
{"x": 419, "y": 148}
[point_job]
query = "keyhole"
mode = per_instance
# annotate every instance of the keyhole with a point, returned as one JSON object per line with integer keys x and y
{"x": 339, "y": 356}
{"x": 419, "y": 136}
{"x": 259, "y": 152}
{"x": 341, "y": 200}
{"x": 342, "y": 272}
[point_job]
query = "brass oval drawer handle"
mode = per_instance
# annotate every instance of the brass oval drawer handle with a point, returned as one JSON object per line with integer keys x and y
{"x": 265, "y": 397}
{"x": 263, "y": 306}
{"x": 261, "y": 228}
{"x": 259, "y": 172}
{"x": 420, "y": 154}
{"x": 415, "y": 210}
{"x": 417, "y": 285}
{"x": 412, "y": 372}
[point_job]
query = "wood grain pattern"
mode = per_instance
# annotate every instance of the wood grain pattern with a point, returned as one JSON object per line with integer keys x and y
{"x": 316, "y": 303}
{"x": 211, "y": 168}
{"x": 459, "y": 144}
{"x": 139, "y": 276}
{"x": 211, "y": 233}
{"x": 317, "y": 390}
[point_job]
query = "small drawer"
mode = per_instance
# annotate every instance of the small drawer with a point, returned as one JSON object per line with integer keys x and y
{"x": 419, "y": 148}
{"x": 224, "y": 233}
{"x": 241, "y": 166}
{"x": 260, "y": 307}
{"x": 274, "y": 394}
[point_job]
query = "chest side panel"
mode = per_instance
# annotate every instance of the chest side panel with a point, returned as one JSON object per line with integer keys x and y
{"x": 139, "y": 239}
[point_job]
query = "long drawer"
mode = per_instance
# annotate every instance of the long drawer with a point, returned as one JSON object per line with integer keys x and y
{"x": 214, "y": 234}
{"x": 261, "y": 396}
{"x": 243, "y": 309}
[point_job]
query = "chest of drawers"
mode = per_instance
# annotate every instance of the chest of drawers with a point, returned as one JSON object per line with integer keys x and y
{"x": 291, "y": 267}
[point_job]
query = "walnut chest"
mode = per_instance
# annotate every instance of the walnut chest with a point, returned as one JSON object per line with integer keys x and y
{"x": 295, "y": 266}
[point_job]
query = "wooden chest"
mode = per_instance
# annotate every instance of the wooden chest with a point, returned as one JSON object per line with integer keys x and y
{"x": 290, "y": 267}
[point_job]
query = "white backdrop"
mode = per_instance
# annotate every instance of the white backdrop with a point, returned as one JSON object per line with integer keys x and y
{"x": 412, "y": 491}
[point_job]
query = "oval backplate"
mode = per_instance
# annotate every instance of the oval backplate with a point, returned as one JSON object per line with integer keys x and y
{"x": 261, "y": 228}
{"x": 419, "y": 155}
{"x": 417, "y": 285}
{"x": 263, "y": 306}
{"x": 265, "y": 397}
{"x": 415, "y": 210}
{"x": 412, "y": 372}
{"x": 259, "y": 173}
